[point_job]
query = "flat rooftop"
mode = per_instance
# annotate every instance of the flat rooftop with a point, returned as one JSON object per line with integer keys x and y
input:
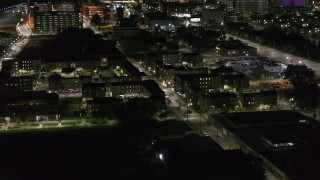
{"x": 287, "y": 139}
{"x": 261, "y": 118}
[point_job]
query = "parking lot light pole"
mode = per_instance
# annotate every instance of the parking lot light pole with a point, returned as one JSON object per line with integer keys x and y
{"x": 200, "y": 122}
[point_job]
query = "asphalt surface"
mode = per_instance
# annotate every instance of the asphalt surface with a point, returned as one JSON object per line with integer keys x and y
{"x": 9, "y": 19}
{"x": 281, "y": 56}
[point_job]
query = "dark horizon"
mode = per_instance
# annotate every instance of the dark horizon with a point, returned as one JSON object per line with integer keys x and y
{"x": 4, "y": 4}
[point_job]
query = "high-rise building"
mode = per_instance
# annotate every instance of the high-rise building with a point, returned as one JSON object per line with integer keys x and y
{"x": 54, "y": 21}
{"x": 229, "y": 5}
{"x": 274, "y": 3}
{"x": 251, "y": 6}
{"x": 44, "y": 7}
{"x": 47, "y": 18}
{"x": 65, "y": 7}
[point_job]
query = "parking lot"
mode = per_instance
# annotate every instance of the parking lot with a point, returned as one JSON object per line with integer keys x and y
{"x": 257, "y": 67}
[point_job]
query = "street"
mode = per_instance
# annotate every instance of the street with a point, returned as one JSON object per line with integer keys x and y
{"x": 9, "y": 20}
{"x": 285, "y": 58}
{"x": 280, "y": 56}
{"x": 87, "y": 24}
{"x": 12, "y": 20}
{"x": 198, "y": 122}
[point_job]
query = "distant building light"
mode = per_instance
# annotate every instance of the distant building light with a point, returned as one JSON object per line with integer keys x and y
{"x": 304, "y": 121}
{"x": 195, "y": 19}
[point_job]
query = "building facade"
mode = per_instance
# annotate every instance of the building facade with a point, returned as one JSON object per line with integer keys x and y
{"x": 89, "y": 11}
{"x": 53, "y": 22}
{"x": 32, "y": 105}
{"x": 15, "y": 83}
{"x": 92, "y": 90}
{"x": 251, "y": 6}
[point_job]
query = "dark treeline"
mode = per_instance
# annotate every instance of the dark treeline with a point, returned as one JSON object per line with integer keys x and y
{"x": 273, "y": 36}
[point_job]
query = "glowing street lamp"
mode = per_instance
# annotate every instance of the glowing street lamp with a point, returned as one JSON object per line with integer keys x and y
{"x": 161, "y": 156}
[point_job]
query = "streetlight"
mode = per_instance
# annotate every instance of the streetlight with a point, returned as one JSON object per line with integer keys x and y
{"x": 161, "y": 156}
{"x": 59, "y": 120}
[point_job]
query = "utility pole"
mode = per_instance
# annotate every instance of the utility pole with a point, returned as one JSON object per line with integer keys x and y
{"x": 187, "y": 113}
{"x": 290, "y": 48}
{"x": 274, "y": 44}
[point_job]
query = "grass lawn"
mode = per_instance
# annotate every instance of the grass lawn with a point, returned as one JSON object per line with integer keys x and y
{"x": 70, "y": 153}
{"x": 174, "y": 127}
{"x": 68, "y": 107}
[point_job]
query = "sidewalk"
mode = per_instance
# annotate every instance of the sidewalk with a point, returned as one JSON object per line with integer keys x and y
{"x": 13, "y": 126}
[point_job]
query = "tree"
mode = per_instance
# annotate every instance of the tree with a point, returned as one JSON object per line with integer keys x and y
{"x": 161, "y": 47}
{"x": 96, "y": 19}
{"x": 106, "y": 14}
{"x": 136, "y": 116}
{"x": 297, "y": 74}
{"x": 75, "y": 38}
{"x": 310, "y": 96}
{"x": 136, "y": 110}
{"x": 134, "y": 17}
{"x": 305, "y": 91}
{"x": 106, "y": 18}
